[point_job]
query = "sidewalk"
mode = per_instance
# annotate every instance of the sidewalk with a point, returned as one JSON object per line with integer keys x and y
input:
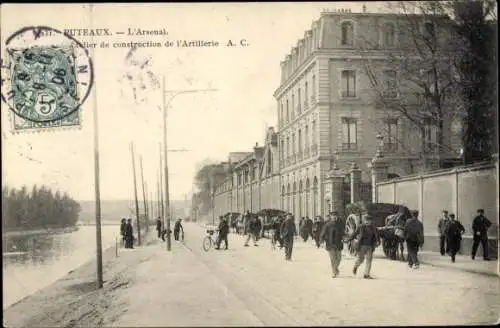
{"x": 462, "y": 262}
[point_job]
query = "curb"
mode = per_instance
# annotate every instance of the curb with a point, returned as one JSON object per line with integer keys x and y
{"x": 483, "y": 273}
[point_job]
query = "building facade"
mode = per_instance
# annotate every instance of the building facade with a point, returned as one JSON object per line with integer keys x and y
{"x": 253, "y": 180}
{"x": 328, "y": 114}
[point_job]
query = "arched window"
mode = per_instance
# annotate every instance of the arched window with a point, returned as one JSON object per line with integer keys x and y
{"x": 389, "y": 33}
{"x": 300, "y": 142}
{"x": 269, "y": 161}
{"x": 287, "y": 111}
{"x": 347, "y": 34}
{"x": 315, "y": 197}
{"x": 282, "y": 113}
{"x": 313, "y": 88}
{"x": 306, "y": 138}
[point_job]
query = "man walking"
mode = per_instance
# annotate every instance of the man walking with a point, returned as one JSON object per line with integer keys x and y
{"x": 223, "y": 232}
{"x": 317, "y": 229}
{"x": 414, "y": 235}
{"x": 158, "y": 227}
{"x": 177, "y": 229}
{"x": 129, "y": 235}
{"x": 333, "y": 233}
{"x": 454, "y": 231}
{"x": 480, "y": 226}
{"x": 123, "y": 227}
{"x": 276, "y": 230}
{"x": 287, "y": 232}
{"x": 368, "y": 241}
{"x": 443, "y": 247}
{"x": 254, "y": 227}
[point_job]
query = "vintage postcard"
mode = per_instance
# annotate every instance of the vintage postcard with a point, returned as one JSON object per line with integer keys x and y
{"x": 250, "y": 164}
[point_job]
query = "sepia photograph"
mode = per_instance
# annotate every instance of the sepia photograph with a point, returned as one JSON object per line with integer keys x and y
{"x": 250, "y": 164}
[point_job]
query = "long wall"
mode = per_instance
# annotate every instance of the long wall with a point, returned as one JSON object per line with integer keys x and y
{"x": 460, "y": 191}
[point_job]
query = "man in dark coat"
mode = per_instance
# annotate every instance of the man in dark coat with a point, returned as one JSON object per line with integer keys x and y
{"x": 276, "y": 230}
{"x": 254, "y": 227}
{"x": 480, "y": 226}
{"x": 453, "y": 232}
{"x": 129, "y": 235}
{"x": 317, "y": 229}
{"x": 158, "y": 227}
{"x": 332, "y": 234}
{"x": 287, "y": 232}
{"x": 368, "y": 241}
{"x": 414, "y": 235}
{"x": 177, "y": 229}
{"x": 123, "y": 225}
{"x": 223, "y": 232}
{"x": 306, "y": 230}
{"x": 443, "y": 247}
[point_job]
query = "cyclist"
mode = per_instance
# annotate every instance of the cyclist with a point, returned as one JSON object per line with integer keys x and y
{"x": 223, "y": 232}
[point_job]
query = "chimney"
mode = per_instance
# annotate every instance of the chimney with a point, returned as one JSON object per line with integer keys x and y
{"x": 364, "y": 7}
{"x": 256, "y": 144}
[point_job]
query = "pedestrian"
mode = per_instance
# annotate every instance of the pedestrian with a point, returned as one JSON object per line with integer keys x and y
{"x": 254, "y": 227}
{"x": 332, "y": 234}
{"x": 317, "y": 229}
{"x": 158, "y": 227}
{"x": 123, "y": 225}
{"x": 129, "y": 235}
{"x": 223, "y": 232}
{"x": 368, "y": 241}
{"x": 306, "y": 228}
{"x": 276, "y": 230}
{"x": 177, "y": 229}
{"x": 443, "y": 247}
{"x": 414, "y": 235}
{"x": 453, "y": 232}
{"x": 480, "y": 226}
{"x": 287, "y": 232}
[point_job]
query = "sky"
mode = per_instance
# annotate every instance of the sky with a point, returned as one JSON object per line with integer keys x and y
{"x": 207, "y": 124}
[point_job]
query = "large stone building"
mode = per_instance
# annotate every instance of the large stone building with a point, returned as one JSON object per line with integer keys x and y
{"x": 327, "y": 111}
{"x": 253, "y": 179}
{"x": 330, "y": 116}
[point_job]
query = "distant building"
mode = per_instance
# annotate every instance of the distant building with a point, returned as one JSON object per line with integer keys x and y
{"x": 253, "y": 182}
{"x": 327, "y": 114}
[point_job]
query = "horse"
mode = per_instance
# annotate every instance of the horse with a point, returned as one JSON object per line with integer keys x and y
{"x": 394, "y": 236}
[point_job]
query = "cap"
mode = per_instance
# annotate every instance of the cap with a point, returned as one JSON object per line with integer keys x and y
{"x": 445, "y": 211}
{"x": 480, "y": 210}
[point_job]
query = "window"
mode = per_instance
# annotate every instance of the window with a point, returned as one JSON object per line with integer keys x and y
{"x": 429, "y": 136}
{"x": 313, "y": 130}
{"x": 349, "y": 134}
{"x": 282, "y": 150}
{"x": 306, "y": 137}
{"x": 293, "y": 143}
{"x": 390, "y": 135}
{"x": 347, "y": 34}
{"x": 269, "y": 161}
{"x": 293, "y": 104}
{"x": 282, "y": 112}
{"x": 298, "y": 100}
{"x": 300, "y": 141}
{"x": 287, "y": 111}
{"x": 390, "y": 85}
{"x": 288, "y": 146}
{"x": 348, "y": 84}
{"x": 313, "y": 88}
{"x": 306, "y": 91}
{"x": 389, "y": 34}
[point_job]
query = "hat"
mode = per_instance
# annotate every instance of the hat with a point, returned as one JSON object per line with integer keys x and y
{"x": 334, "y": 212}
{"x": 445, "y": 211}
{"x": 480, "y": 210}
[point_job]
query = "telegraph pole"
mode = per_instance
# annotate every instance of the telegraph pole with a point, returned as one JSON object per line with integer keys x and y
{"x": 96, "y": 177}
{"x": 135, "y": 195}
{"x": 165, "y": 150}
{"x": 144, "y": 194}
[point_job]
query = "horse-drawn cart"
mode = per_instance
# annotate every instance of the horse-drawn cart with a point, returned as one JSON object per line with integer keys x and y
{"x": 383, "y": 216}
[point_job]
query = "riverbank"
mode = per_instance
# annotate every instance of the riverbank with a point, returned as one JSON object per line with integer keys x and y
{"x": 75, "y": 300}
{"x": 23, "y": 233}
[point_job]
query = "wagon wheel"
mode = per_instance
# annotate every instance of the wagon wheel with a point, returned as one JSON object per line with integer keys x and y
{"x": 350, "y": 227}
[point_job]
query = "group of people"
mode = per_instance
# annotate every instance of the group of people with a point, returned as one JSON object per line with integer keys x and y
{"x": 451, "y": 230}
{"x": 178, "y": 230}
{"x": 127, "y": 233}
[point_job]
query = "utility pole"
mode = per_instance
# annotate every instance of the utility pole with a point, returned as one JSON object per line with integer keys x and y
{"x": 165, "y": 149}
{"x": 135, "y": 195}
{"x": 144, "y": 194}
{"x": 98, "y": 236}
{"x": 164, "y": 220}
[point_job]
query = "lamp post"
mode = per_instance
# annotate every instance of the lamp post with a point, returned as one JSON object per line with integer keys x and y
{"x": 165, "y": 111}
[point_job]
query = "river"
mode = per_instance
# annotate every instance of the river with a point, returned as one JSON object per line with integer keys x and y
{"x": 43, "y": 259}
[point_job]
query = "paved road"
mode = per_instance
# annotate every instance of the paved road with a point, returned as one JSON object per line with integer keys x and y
{"x": 254, "y": 286}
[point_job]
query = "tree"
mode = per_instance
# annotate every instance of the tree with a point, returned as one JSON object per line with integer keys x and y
{"x": 478, "y": 78}
{"x": 206, "y": 179}
{"x": 417, "y": 80}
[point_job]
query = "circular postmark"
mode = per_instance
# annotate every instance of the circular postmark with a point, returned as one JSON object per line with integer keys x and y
{"x": 46, "y": 75}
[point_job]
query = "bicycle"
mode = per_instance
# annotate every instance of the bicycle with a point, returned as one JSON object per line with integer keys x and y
{"x": 209, "y": 241}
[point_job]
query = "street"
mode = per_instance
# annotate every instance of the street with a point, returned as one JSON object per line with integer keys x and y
{"x": 255, "y": 286}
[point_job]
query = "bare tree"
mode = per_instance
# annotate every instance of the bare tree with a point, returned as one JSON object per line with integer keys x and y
{"x": 417, "y": 78}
